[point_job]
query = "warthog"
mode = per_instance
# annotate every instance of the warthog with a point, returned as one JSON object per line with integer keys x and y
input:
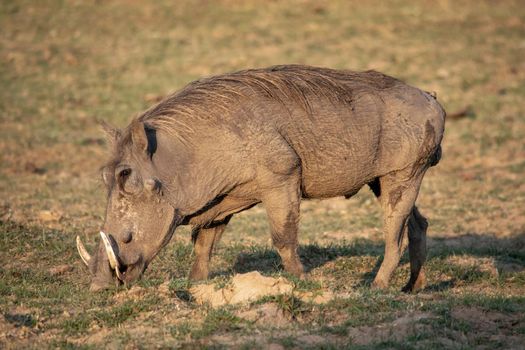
{"x": 273, "y": 136}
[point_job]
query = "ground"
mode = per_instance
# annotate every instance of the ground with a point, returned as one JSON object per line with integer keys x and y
{"x": 65, "y": 64}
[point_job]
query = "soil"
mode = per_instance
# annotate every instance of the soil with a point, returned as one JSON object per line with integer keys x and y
{"x": 242, "y": 288}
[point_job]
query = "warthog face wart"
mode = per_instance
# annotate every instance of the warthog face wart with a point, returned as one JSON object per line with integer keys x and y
{"x": 139, "y": 221}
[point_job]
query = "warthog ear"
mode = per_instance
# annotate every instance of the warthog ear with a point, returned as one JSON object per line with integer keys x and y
{"x": 112, "y": 133}
{"x": 144, "y": 138}
{"x": 139, "y": 137}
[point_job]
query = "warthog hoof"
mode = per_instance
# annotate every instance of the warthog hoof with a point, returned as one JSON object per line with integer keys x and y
{"x": 198, "y": 273}
{"x": 379, "y": 284}
{"x": 413, "y": 286}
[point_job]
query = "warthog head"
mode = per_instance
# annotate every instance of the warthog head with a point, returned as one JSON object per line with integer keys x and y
{"x": 139, "y": 220}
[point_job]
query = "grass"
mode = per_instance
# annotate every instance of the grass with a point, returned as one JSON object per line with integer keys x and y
{"x": 62, "y": 306}
{"x": 63, "y": 65}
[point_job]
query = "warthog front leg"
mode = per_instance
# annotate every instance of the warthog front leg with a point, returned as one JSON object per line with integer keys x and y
{"x": 204, "y": 240}
{"x": 282, "y": 207}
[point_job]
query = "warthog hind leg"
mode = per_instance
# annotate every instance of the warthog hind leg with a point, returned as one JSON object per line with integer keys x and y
{"x": 417, "y": 249}
{"x": 397, "y": 193}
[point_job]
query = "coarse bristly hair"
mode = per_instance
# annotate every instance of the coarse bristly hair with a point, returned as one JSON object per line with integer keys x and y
{"x": 288, "y": 84}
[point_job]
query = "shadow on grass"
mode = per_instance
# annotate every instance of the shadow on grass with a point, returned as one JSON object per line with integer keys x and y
{"x": 312, "y": 256}
{"x": 441, "y": 286}
{"x": 504, "y": 250}
{"x": 19, "y": 320}
{"x": 508, "y": 254}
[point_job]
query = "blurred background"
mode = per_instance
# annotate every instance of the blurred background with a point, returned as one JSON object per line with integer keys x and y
{"x": 65, "y": 63}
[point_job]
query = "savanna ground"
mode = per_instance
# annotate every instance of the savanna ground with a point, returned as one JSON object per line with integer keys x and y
{"x": 63, "y": 64}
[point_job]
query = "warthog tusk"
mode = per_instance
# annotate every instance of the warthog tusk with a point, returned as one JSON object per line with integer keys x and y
{"x": 86, "y": 258}
{"x": 113, "y": 262}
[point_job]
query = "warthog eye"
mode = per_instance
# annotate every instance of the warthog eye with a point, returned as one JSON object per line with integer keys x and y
{"x": 129, "y": 181}
{"x": 125, "y": 173}
{"x": 123, "y": 176}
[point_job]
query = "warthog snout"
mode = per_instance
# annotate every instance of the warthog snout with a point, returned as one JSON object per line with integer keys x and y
{"x": 122, "y": 271}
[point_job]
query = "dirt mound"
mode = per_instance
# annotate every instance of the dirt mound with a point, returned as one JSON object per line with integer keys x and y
{"x": 268, "y": 314}
{"x": 242, "y": 288}
{"x": 488, "y": 320}
{"x": 251, "y": 286}
{"x": 489, "y": 326}
{"x": 397, "y": 330}
{"x": 317, "y": 297}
